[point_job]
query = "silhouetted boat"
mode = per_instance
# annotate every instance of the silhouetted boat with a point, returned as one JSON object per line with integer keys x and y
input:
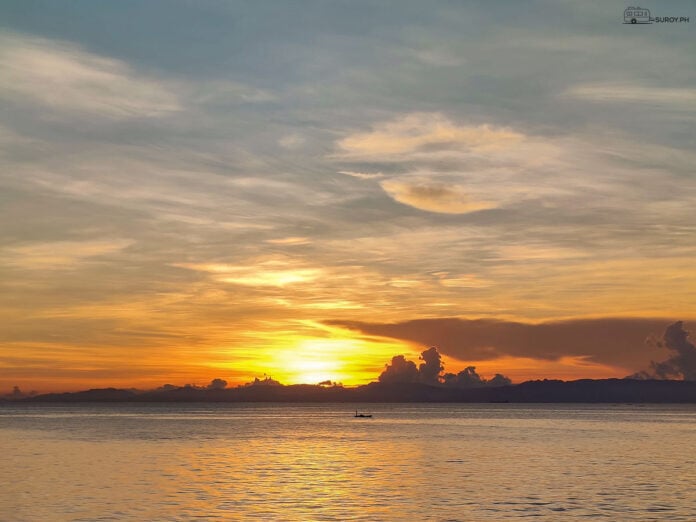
{"x": 362, "y": 415}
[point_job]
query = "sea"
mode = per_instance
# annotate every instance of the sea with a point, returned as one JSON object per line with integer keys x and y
{"x": 317, "y": 462}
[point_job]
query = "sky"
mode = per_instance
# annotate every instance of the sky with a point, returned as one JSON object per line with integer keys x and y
{"x": 225, "y": 189}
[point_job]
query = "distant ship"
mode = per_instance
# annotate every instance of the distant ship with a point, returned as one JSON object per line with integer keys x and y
{"x": 362, "y": 415}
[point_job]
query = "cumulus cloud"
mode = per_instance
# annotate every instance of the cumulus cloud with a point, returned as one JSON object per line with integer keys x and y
{"x": 17, "y": 394}
{"x": 217, "y": 384}
{"x": 166, "y": 388}
{"x": 63, "y": 76}
{"x": 433, "y": 196}
{"x": 401, "y": 370}
{"x": 469, "y": 378}
{"x": 681, "y": 365}
{"x": 431, "y": 367}
{"x": 329, "y": 383}
{"x": 266, "y": 381}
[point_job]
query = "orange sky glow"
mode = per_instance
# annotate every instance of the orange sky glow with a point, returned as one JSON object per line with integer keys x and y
{"x": 307, "y": 200}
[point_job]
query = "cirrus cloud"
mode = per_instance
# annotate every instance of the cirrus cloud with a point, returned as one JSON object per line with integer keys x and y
{"x": 60, "y": 254}
{"x": 63, "y": 76}
{"x": 272, "y": 272}
{"x": 684, "y": 99}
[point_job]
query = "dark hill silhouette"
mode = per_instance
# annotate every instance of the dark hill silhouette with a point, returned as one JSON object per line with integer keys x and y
{"x": 94, "y": 395}
{"x": 549, "y": 391}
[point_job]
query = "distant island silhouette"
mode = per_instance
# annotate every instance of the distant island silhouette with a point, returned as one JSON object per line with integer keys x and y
{"x": 543, "y": 391}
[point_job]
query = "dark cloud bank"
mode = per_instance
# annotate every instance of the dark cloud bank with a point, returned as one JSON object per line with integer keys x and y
{"x": 555, "y": 341}
{"x": 626, "y": 343}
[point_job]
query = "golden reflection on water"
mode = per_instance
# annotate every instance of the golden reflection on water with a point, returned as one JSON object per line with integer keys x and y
{"x": 303, "y": 463}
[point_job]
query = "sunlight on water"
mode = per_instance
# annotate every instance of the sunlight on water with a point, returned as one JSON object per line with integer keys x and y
{"x": 317, "y": 462}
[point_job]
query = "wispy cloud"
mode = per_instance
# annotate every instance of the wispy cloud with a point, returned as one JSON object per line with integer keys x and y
{"x": 290, "y": 241}
{"x": 63, "y": 76}
{"x": 683, "y": 98}
{"x": 433, "y": 164}
{"x": 272, "y": 272}
{"x": 60, "y": 254}
{"x": 223, "y": 92}
{"x": 334, "y": 305}
{"x": 461, "y": 280}
{"x": 416, "y": 131}
{"x": 439, "y": 57}
{"x": 362, "y": 175}
{"x": 292, "y": 141}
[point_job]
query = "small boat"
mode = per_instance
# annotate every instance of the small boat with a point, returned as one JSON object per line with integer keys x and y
{"x": 362, "y": 415}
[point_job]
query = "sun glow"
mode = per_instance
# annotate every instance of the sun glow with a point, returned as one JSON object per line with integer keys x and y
{"x": 312, "y": 361}
{"x": 349, "y": 361}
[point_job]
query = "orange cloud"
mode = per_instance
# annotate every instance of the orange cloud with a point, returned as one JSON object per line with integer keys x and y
{"x": 433, "y": 196}
{"x": 419, "y": 130}
{"x": 265, "y": 273}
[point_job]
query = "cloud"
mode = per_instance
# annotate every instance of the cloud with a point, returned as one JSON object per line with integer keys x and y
{"x": 431, "y": 163}
{"x": 217, "y": 93}
{"x": 400, "y": 370}
{"x": 618, "y": 342}
{"x": 430, "y": 371}
{"x": 294, "y": 240}
{"x": 469, "y": 378}
{"x": 217, "y": 384}
{"x": 266, "y": 381}
{"x": 434, "y": 164}
{"x": 439, "y": 57}
{"x": 271, "y": 277}
{"x": 265, "y": 273}
{"x": 341, "y": 304}
{"x": 432, "y": 196}
{"x": 431, "y": 367}
{"x": 418, "y": 131}
{"x": 681, "y": 365}
{"x": 362, "y": 175}
{"x": 292, "y": 141}
{"x": 461, "y": 281}
{"x": 631, "y": 93}
{"x": 62, "y": 76}
{"x": 17, "y": 394}
{"x": 60, "y": 254}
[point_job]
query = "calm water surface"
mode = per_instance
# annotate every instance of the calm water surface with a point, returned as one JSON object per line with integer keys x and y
{"x": 318, "y": 463}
